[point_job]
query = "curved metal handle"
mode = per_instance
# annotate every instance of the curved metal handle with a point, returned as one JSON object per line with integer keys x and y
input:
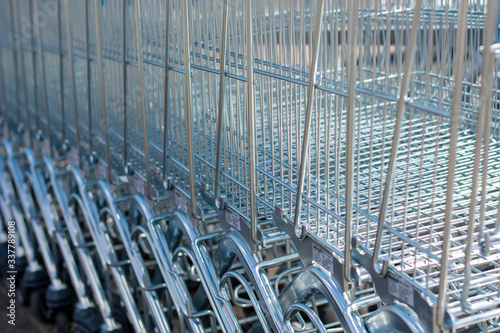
{"x": 301, "y": 307}
{"x": 143, "y": 206}
{"x": 145, "y": 279}
{"x": 231, "y": 274}
{"x": 314, "y": 279}
{"x": 78, "y": 240}
{"x": 92, "y": 224}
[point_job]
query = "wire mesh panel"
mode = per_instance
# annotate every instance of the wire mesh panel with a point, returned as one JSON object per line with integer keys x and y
{"x": 150, "y": 18}
{"x": 432, "y": 213}
{"x": 14, "y": 67}
{"x": 367, "y": 128}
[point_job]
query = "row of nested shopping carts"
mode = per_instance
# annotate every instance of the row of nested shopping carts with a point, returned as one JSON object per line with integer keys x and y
{"x": 252, "y": 166}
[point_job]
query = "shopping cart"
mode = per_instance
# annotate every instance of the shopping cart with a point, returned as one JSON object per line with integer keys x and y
{"x": 378, "y": 161}
{"x": 243, "y": 165}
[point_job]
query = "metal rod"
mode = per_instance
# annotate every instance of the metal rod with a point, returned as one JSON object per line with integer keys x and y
{"x": 166, "y": 89}
{"x": 20, "y": 53}
{"x": 102, "y": 88}
{"x": 124, "y": 73}
{"x": 300, "y": 229}
{"x": 88, "y": 72}
{"x": 33, "y": 61}
{"x": 252, "y": 145}
{"x": 61, "y": 71}
{"x": 43, "y": 81}
{"x": 397, "y": 133}
{"x": 143, "y": 109}
{"x": 187, "y": 104}
{"x": 482, "y": 122}
{"x": 73, "y": 83}
{"x": 5, "y": 113}
{"x": 221, "y": 114}
{"x": 352, "y": 9}
{"x": 458, "y": 69}
{"x": 14, "y": 56}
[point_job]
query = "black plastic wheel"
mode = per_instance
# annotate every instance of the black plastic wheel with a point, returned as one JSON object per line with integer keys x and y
{"x": 120, "y": 315}
{"x": 87, "y": 320}
{"x": 22, "y": 295}
{"x": 38, "y": 306}
{"x": 83, "y": 329}
{"x": 63, "y": 322}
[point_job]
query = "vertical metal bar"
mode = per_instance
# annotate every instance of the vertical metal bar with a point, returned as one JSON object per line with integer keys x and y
{"x": 124, "y": 73}
{"x": 101, "y": 83}
{"x": 400, "y": 110}
{"x": 4, "y": 111}
{"x": 61, "y": 71}
{"x": 20, "y": 54}
{"x": 485, "y": 107}
{"x": 33, "y": 60}
{"x": 300, "y": 229}
{"x": 166, "y": 90}
{"x": 497, "y": 221}
{"x": 143, "y": 109}
{"x": 73, "y": 83}
{"x": 221, "y": 115}
{"x": 252, "y": 158}
{"x": 42, "y": 80}
{"x": 483, "y": 121}
{"x": 88, "y": 72}
{"x": 352, "y": 9}
{"x": 187, "y": 103}
{"x": 14, "y": 58}
{"x": 458, "y": 69}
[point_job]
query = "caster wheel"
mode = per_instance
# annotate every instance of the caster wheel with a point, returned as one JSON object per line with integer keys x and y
{"x": 120, "y": 315}
{"x": 87, "y": 320}
{"x": 23, "y": 296}
{"x": 63, "y": 322}
{"x": 38, "y": 306}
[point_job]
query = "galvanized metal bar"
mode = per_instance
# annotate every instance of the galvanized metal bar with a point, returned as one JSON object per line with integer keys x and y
{"x": 221, "y": 109}
{"x": 125, "y": 78}
{"x": 88, "y": 72}
{"x": 352, "y": 9}
{"x": 69, "y": 41}
{"x": 61, "y": 71}
{"x": 102, "y": 89}
{"x": 395, "y": 142}
{"x": 300, "y": 228}
{"x": 22, "y": 67}
{"x": 166, "y": 89}
{"x": 5, "y": 114}
{"x": 33, "y": 61}
{"x": 43, "y": 81}
{"x": 251, "y": 130}
{"x": 143, "y": 108}
{"x": 187, "y": 104}
{"x": 458, "y": 69}
{"x": 482, "y": 122}
{"x": 15, "y": 58}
